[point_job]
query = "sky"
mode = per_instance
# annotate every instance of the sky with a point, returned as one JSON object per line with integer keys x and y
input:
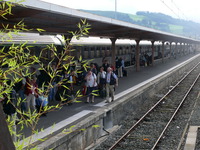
{"x": 182, "y": 9}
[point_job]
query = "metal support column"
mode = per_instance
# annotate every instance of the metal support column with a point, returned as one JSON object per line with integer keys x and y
{"x": 175, "y": 50}
{"x": 130, "y": 52}
{"x": 185, "y": 49}
{"x": 113, "y": 40}
{"x": 137, "y": 55}
{"x": 170, "y": 49}
{"x": 189, "y": 48}
{"x": 181, "y": 47}
{"x": 153, "y": 51}
{"x": 163, "y": 49}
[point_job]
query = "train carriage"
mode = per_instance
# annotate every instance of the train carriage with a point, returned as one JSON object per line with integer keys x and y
{"x": 89, "y": 47}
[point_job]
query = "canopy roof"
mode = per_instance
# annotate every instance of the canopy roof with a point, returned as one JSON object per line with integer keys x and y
{"x": 56, "y": 19}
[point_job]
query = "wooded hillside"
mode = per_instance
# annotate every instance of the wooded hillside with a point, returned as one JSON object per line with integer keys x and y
{"x": 157, "y": 21}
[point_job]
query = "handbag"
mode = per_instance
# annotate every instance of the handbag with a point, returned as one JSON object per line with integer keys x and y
{"x": 84, "y": 90}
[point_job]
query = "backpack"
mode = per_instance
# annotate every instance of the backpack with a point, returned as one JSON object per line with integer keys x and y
{"x": 112, "y": 79}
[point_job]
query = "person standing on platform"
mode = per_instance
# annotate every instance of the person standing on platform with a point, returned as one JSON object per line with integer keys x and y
{"x": 105, "y": 65}
{"x": 101, "y": 81}
{"x": 123, "y": 65}
{"x": 93, "y": 68}
{"x": 91, "y": 85}
{"x": 118, "y": 62}
{"x": 111, "y": 82}
{"x": 31, "y": 92}
{"x": 66, "y": 93}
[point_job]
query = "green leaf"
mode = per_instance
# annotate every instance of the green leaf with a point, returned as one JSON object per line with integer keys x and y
{"x": 96, "y": 126}
{"x": 40, "y": 30}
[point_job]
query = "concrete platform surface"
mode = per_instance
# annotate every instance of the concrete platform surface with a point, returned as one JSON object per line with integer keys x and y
{"x": 69, "y": 115}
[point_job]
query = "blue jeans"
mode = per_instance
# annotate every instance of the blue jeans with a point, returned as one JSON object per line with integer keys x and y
{"x": 52, "y": 92}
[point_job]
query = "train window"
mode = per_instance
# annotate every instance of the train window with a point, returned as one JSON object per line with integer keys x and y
{"x": 51, "y": 54}
{"x": 123, "y": 51}
{"x": 117, "y": 51}
{"x": 97, "y": 53}
{"x": 85, "y": 54}
{"x": 107, "y": 52}
{"x": 72, "y": 53}
{"x": 92, "y": 54}
{"x": 32, "y": 50}
{"x": 102, "y": 53}
{"x": 127, "y": 51}
{"x": 45, "y": 52}
{"x": 76, "y": 53}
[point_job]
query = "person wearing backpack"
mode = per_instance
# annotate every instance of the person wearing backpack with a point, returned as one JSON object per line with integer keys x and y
{"x": 101, "y": 81}
{"x": 111, "y": 82}
{"x": 9, "y": 103}
{"x": 91, "y": 85}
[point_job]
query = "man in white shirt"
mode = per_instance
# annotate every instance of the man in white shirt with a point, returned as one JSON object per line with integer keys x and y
{"x": 111, "y": 82}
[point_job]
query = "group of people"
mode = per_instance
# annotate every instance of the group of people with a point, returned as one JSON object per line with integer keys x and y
{"x": 98, "y": 81}
{"x": 27, "y": 91}
{"x": 101, "y": 82}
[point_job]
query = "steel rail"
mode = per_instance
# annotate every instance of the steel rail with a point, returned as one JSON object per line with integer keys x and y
{"x": 116, "y": 144}
{"x": 175, "y": 112}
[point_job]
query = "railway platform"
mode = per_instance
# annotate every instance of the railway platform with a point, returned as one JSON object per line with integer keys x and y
{"x": 71, "y": 115}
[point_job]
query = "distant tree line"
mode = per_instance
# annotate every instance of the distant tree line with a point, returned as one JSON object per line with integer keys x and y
{"x": 157, "y": 21}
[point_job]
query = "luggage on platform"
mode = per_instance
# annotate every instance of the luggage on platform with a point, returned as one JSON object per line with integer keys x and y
{"x": 102, "y": 93}
{"x": 125, "y": 74}
{"x": 41, "y": 102}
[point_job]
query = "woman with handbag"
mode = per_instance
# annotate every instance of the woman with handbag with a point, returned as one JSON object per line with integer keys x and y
{"x": 91, "y": 85}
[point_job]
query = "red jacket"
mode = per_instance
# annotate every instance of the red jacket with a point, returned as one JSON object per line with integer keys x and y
{"x": 31, "y": 88}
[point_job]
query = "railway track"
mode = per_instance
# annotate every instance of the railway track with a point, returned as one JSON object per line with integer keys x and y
{"x": 148, "y": 131}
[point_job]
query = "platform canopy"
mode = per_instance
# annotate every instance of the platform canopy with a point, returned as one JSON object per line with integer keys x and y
{"x": 56, "y": 19}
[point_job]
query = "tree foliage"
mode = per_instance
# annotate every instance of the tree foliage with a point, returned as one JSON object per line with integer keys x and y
{"x": 154, "y": 20}
{"x": 16, "y": 62}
